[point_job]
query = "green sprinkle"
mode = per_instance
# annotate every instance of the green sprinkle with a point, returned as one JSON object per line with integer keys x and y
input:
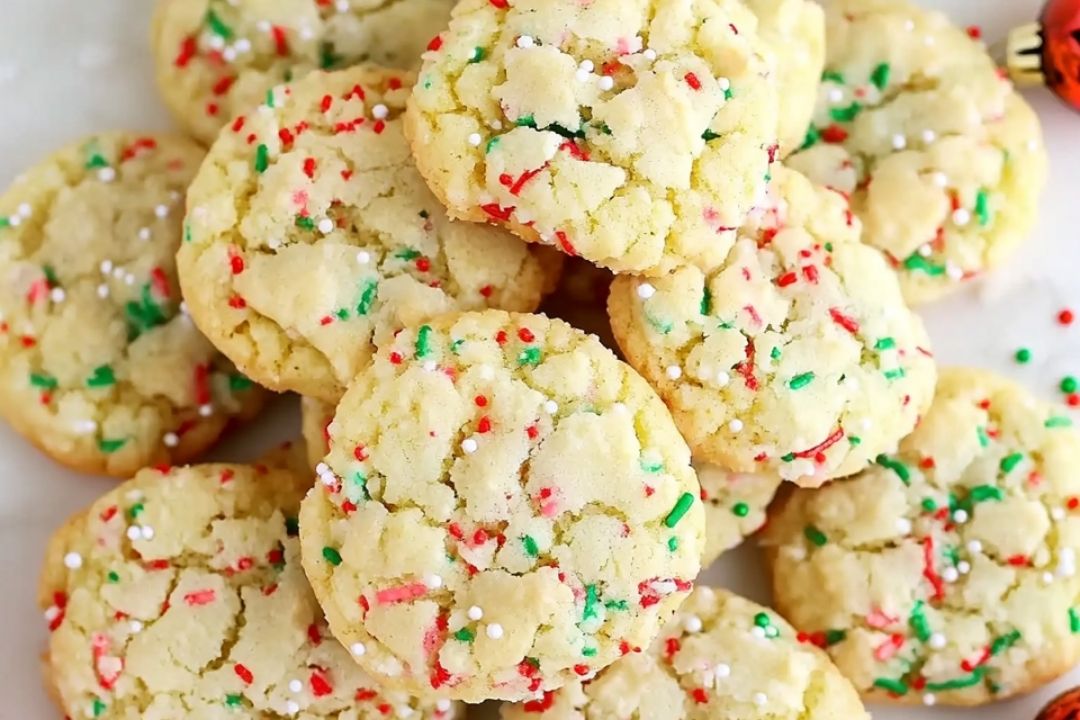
{"x": 845, "y": 114}
{"x": 233, "y": 700}
{"x": 110, "y": 446}
{"x": 46, "y": 382}
{"x": 815, "y": 536}
{"x": 304, "y": 222}
{"x": 589, "y": 651}
{"x": 98, "y": 707}
{"x": 591, "y": 598}
{"x": 918, "y": 262}
{"x": 832, "y": 637}
{"x": 651, "y": 466}
{"x": 673, "y": 543}
{"x": 407, "y": 254}
{"x": 959, "y": 683}
{"x": 217, "y": 26}
{"x": 1022, "y": 356}
{"x": 617, "y": 605}
{"x": 681, "y": 507}
{"x": 478, "y": 54}
{"x": 740, "y": 509}
{"x": 1068, "y": 384}
{"x": 800, "y": 381}
{"x": 359, "y": 481}
{"x": 929, "y": 504}
{"x": 775, "y": 353}
{"x": 292, "y": 526}
{"x": 1074, "y": 621}
{"x": 896, "y": 687}
{"x": 709, "y": 135}
{"x": 145, "y": 314}
{"x": 367, "y": 297}
{"x": 530, "y": 356}
{"x": 526, "y": 121}
{"x": 239, "y": 383}
{"x": 813, "y": 137}
{"x": 50, "y": 275}
{"x": 491, "y": 145}
{"x": 855, "y": 440}
{"x": 565, "y": 132}
{"x": 880, "y": 76}
{"x": 729, "y": 93}
{"x": 134, "y": 511}
{"x": 661, "y": 326}
{"x": 984, "y": 439}
{"x": 262, "y": 159}
{"x": 1058, "y": 422}
{"x": 885, "y": 343}
{"x": 331, "y": 556}
{"x": 919, "y": 623}
{"x": 1004, "y": 642}
{"x": 894, "y": 374}
{"x": 113, "y": 576}
{"x": 982, "y": 207}
{"x": 706, "y": 301}
{"x": 96, "y": 161}
{"x": 328, "y": 58}
{"x": 455, "y": 347}
{"x": 983, "y": 493}
{"x": 762, "y": 620}
{"x": 270, "y": 100}
{"x": 1011, "y": 461}
{"x": 187, "y": 232}
{"x": 603, "y": 128}
{"x": 833, "y": 76}
{"x": 5, "y": 222}
{"x": 530, "y": 546}
{"x": 896, "y": 466}
{"x": 465, "y": 635}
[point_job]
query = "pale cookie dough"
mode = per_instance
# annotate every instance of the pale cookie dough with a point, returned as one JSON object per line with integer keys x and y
{"x": 180, "y": 594}
{"x": 795, "y": 31}
{"x": 216, "y": 59}
{"x": 796, "y": 356}
{"x": 944, "y": 160}
{"x": 722, "y": 658}
{"x": 311, "y": 237}
{"x": 99, "y": 365}
{"x": 505, "y": 508}
{"x": 735, "y": 506}
{"x": 315, "y": 417}
{"x": 634, "y": 133}
{"x": 947, "y": 573}
{"x": 581, "y": 300}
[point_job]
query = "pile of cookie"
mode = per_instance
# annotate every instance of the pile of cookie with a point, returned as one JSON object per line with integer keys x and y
{"x": 741, "y": 199}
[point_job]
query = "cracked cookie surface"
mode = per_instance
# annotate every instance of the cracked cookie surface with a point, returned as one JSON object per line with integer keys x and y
{"x": 311, "y": 237}
{"x": 735, "y": 506}
{"x": 796, "y": 356}
{"x": 947, "y": 572}
{"x": 636, "y": 134}
{"x": 721, "y": 657}
{"x": 944, "y": 160}
{"x": 181, "y": 594}
{"x": 216, "y": 59}
{"x": 100, "y": 367}
{"x": 505, "y": 508}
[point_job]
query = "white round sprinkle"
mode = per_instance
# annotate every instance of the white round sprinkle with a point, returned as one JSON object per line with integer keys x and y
{"x": 649, "y": 54}
{"x": 147, "y": 532}
{"x": 723, "y": 83}
{"x": 1057, "y": 513}
{"x": 937, "y": 641}
{"x": 899, "y": 142}
{"x": 961, "y": 217}
{"x": 674, "y": 372}
{"x": 357, "y": 649}
{"x": 135, "y": 626}
{"x": 433, "y": 581}
{"x": 73, "y": 561}
{"x": 1047, "y": 578}
{"x": 925, "y": 250}
{"x": 475, "y": 613}
{"x": 342, "y": 6}
{"x": 326, "y": 226}
{"x": 760, "y": 699}
{"x": 974, "y": 546}
{"x": 722, "y": 379}
{"x": 243, "y": 45}
{"x": 645, "y": 291}
{"x": 693, "y": 624}
{"x": 950, "y": 574}
{"x": 14, "y": 221}
{"x": 295, "y": 686}
{"x": 106, "y": 174}
{"x": 144, "y": 233}
{"x": 903, "y": 526}
{"x": 928, "y": 136}
{"x": 52, "y": 613}
{"x": 380, "y": 111}
{"x": 551, "y": 407}
{"x": 953, "y": 271}
{"x": 494, "y": 631}
{"x": 836, "y": 95}
{"x": 363, "y": 257}
{"x": 758, "y": 632}
{"x": 525, "y": 41}
{"x": 940, "y": 179}
{"x": 468, "y": 445}
{"x": 106, "y": 267}
{"x": 292, "y": 707}
{"x": 960, "y": 516}
{"x": 587, "y": 66}
{"x": 171, "y": 439}
{"x": 735, "y": 425}
{"x": 85, "y": 427}
{"x": 161, "y": 211}
{"x": 606, "y": 82}
{"x": 723, "y": 670}
{"x": 119, "y": 273}
{"x": 103, "y": 291}
{"x": 57, "y": 295}
{"x": 929, "y": 699}
{"x": 133, "y": 533}
{"x": 25, "y": 210}
{"x": 964, "y": 567}
{"x": 475, "y": 139}
{"x": 442, "y": 705}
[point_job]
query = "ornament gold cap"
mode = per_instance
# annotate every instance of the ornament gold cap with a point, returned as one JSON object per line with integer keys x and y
{"x": 1023, "y": 55}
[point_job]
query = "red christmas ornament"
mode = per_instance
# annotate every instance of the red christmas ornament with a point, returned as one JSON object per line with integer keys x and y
{"x": 1064, "y": 707}
{"x": 1048, "y": 52}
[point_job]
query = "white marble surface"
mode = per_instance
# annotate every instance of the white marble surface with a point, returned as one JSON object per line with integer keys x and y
{"x": 71, "y": 67}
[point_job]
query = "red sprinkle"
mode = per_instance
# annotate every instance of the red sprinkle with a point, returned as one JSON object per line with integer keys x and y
{"x": 484, "y": 425}
{"x": 1066, "y": 317}
{"x": 486, "y": 291}
{"x": 501, "y": 4}
{"x": 222, "y": 86}
{"x": 188, "y": 49}
{"x": 238, "y": 303}
{"x": 480, "y": 401}
{"x": 786, "y": 279}
{"x": 692, "y": 80}
{"x": 200, "y": 597}
{"x": 309, "y": 167}
{"x": 700, "y": 696}
{"x": 281, "y": 43}
{"x": 435, "y": 44}
{"x": 834, "y": 134}
{"x": 845, "y": 321}
{"x": 320, "y": 686}
{"x": 243, "y": 673}
{"x": 360, "y": 453}
{"x": 581, "y": 669}
{"x": 236, "y": 264}
{"x": 543, "y": 704}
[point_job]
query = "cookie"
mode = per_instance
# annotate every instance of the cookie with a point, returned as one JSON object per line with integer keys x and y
{"x": 735, "y": 505}
{"x": 947, "y": 572}
{"x": 216, "y": 59}
{"x": 99, "y": 365}
{"x": 636, "y": 135}
{"x": 722, "y": 657}
{"x": 796, "y": 356}
{"x": 291, "y": 455}
{"x": 581, "y": 300}
{"x": 315, "y": 418}
{"x": 311, "y": 237}
{"x": 181, "y": 594}
{"x": 505, "y": 508}
{"x": 795, "y": 32}
{"x": 944, "y": 160}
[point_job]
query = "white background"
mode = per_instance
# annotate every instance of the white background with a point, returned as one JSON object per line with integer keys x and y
{"x": 73, "y": 67}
